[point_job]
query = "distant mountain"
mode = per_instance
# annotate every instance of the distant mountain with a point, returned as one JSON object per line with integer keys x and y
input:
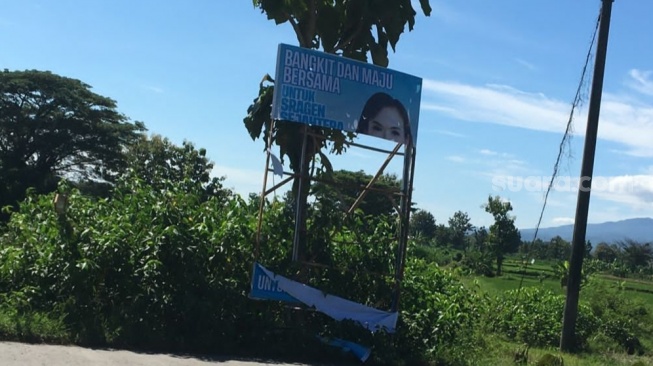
{"x": 640, "y": 230}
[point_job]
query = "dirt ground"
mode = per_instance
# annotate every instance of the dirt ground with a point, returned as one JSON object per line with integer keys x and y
{"x": 20, "y": 354}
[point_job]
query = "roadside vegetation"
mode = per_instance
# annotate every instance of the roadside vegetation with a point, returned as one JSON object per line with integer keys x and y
{"x": 112, "y": 237}
{"x": 166, "y": 266}
{"x": 162, "y": 261}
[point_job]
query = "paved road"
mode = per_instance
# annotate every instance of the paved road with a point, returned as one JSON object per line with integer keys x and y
{"x": 20, "y": 354}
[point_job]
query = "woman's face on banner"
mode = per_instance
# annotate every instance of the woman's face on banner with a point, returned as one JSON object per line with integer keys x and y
{"x": 388, "y": 124}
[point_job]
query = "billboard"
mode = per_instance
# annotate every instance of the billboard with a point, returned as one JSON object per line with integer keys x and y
{"x": 327, "y": 90}
{"x": 263, "y": 287}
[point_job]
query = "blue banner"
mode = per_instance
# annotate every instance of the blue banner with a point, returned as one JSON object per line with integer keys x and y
{"x": 327, "y": 90}
{"x": 265, "y": 288}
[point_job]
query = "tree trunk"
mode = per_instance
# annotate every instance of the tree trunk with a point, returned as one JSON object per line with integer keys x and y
{"x": 301, "y": 189}
{"x": 499, "y": 264}
{"x": 302, "y": 198}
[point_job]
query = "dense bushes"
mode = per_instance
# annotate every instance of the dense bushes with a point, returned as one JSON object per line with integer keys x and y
{"x": 170, "y": 268}
{"x": 437, "y": 255}
{"x": 605, "y": 319}
{"x": 534, "y": 316}
{"x": 145, "y": 268}
{"x": 623, "y": 320}
{"x": 439, "y": 315}
{"x": 478, "y": 263}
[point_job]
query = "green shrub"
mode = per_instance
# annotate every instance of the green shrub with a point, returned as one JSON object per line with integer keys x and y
{"x": 439, "y": 315}
{"x": 149, "y": 268}
{"x": 478, "y": 263}
{"x": 438, "y": 255}
{"x": 170, "y": 269}
{"x": 550, "y": 360}
{"x": 534, "y": 316}
{"x": 622, "y": 319}
{"x": 20, "y": 323}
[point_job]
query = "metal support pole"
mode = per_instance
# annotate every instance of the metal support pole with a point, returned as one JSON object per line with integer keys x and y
{"x": 376, "y": 177}
{"x": 257, "y": 249}
{"x": 568, "y": 337}
{"x": 300, "y": 201}
{"x": 404, "y": 217}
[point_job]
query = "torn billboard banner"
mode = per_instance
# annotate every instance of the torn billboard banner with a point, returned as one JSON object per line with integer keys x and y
{"x": 264, "y": 287}
{"x": 333, "y": 306}
{"x": 327, "y": 90}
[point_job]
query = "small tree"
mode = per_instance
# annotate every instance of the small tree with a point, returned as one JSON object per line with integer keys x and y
{"x": 156, "y": 160}
{"x": 422, "y": 225}
{"x": 504, "y": 237}
{"x": 442, "y": 235}
{"x": 559, "y": 249}
{"x": 480, "y": 239}
{"x": 460, "y": 225}
{"x": 635, "y": 254}
{"x": 606, "y": 252}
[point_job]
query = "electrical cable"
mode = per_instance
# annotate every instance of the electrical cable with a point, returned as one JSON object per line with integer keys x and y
{"x": 577, "y": 102}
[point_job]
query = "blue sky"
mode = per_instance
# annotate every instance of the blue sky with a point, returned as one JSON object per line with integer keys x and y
{"x": 498, "y": 78}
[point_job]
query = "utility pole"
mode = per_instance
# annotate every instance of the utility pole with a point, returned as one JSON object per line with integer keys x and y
{"x": 568, "y": 337}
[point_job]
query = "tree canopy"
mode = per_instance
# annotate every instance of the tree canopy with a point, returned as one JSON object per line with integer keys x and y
{"x": 504, "y": 237}
{"x": 606, "y": 252}
{"x": 460, "y": 225}
{"x": 347, "y": 185}
{"x": 51, "y": 126}
{"x": 353, "y": 29}
{"x": 157, "y": 161}
{"x": 422, "y": 225}
{"x": 636, "y": 254}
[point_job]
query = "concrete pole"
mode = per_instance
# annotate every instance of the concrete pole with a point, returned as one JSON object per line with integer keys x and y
{"x": 568, "y": 337}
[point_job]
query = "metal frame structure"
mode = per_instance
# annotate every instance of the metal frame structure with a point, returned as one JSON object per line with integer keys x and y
{"x": 403, "y": 209}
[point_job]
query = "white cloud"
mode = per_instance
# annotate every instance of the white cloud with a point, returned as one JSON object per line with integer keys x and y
{"x": 526, "y": 64}
{"x": 614, "y": 213}
{"x": 510, "y": 157}
{"x": 562, "y": 220}
{"x": 456, "y": 159}
{"x": 490, "y": 164}
{"x": 622, "y": 120}
{"x": 505, "y": 166}
{"x": 488, "y": 152}
{"x": 153, "y": 89}
{"x": 561, "y": 201}
{"x": 634, "y": 191}
{"x": 497, "y": 104}
{"x": 450, "y": 133}
{"x": 640, "y": 81}
{"x": 437, "y": 108}
{"x": 352, "y": 151}
{"x": 628, "y": 123}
